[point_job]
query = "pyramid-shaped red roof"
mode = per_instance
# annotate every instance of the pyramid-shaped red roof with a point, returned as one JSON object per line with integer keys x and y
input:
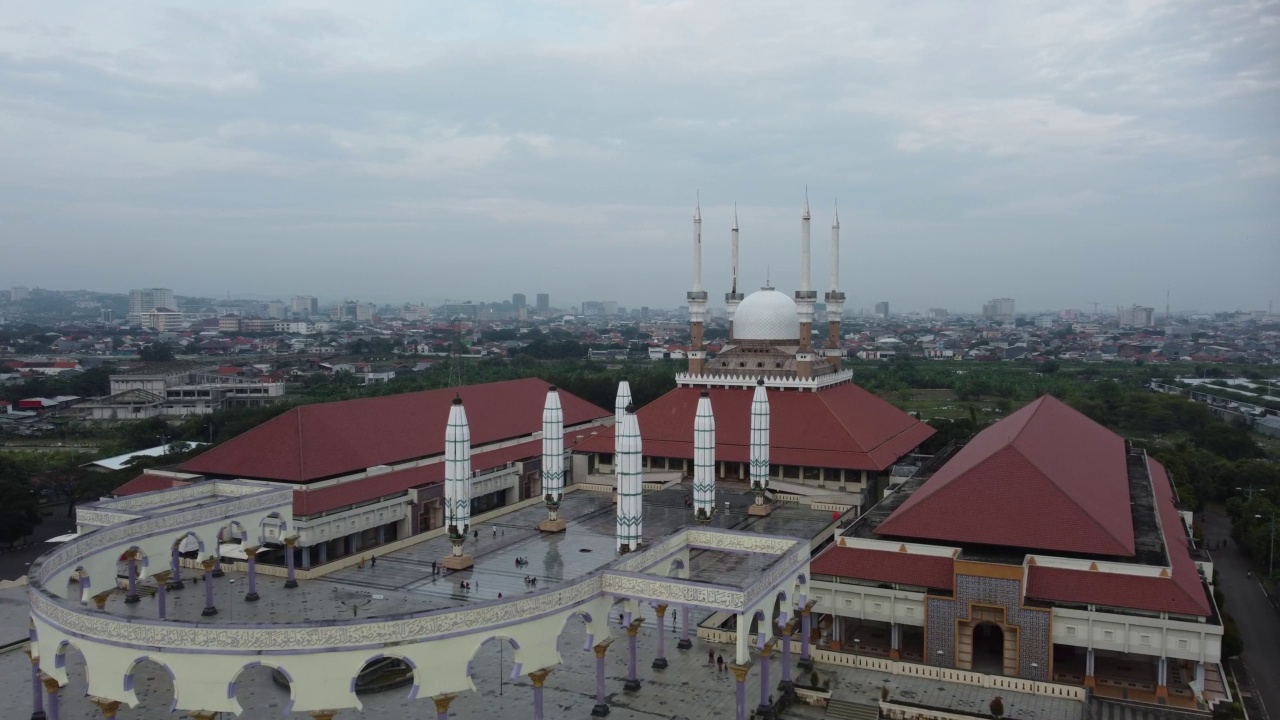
{"x": 311, "y": 442}
{"x": 1046, "y": 478}
{"x": 842, "y": 426}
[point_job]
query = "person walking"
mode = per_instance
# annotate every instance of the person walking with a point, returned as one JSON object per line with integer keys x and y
{"x": 711, "y": 657}
{"x": 720, "y": 662}
{"x": 373, "y": 562}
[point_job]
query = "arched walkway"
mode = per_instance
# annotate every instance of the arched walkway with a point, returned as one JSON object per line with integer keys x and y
{"x": 988, "y": 648}
{"x": 151, "y": 684}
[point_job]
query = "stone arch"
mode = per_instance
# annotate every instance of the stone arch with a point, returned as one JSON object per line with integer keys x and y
{"x": 81, "y": 580}
{"x": 384, "y": 672}
{"x": 585, "y": 618}
{"x": 503, "y": 643}
{"x": 134, "y": 678}
{"x": 276, "y": 523}
{"x": 232, "y": 532}
{"x": 677, "y": 569}
{"x": 185, "y": 548}
{"x": 71, "y": 668}
{"x": 759, "y": 621}
{"x": 273, "y": 674}
{"x": 143, "y": 562}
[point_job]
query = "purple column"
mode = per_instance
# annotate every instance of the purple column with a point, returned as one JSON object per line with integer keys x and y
{"x": 217, "y": 564}
{"x": 685, "y": 643}
{"x": 806, "y": 663}
{"x": 161, "y": 594}
{"x": 175, "y": 583}
{"x": 51, "y": 698}
{"x": 132, "y": 596}
{"x": 740, "y": 693}
{"x": 37, "y": 692}
{"x": 602, "y": 708}
{"x": 765, "y": 709}
{"x": 786, "y": 659}
{"x": 660, "y": 662}
{"x": 252, "y": 554}
{"x": 633, "y": 682}
{"x": 538, "y": 677}
{"x": 289, "y": 544}
{"x": 209, "y": 608}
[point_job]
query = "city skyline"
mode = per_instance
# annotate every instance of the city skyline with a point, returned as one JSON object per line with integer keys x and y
{"x": 1059, "y": 156}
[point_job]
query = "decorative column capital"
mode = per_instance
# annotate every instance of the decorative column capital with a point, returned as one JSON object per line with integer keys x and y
{"x": 251, "y": 550}
{"x": 162, "y": 577}
{"x": 790, "y": 628}
{"x": 740, "y": 671}
{"x": 202, "y": 714}
{"x": 768, "y": 649}
{"x": 634, "y": 628}
{"x": 208, "y": 564}
{"x": 442, "y": 702}
{"x": 291, "y": 540}
{"x": 108, "y": 707}
{"x": 660, "y": 610}
{"x": 808, "y": 607}
{"x": 50, "y": 685}
{"x": 323, "y": 714}
{"x": 100, "y": 600}
{"x": 538, "y": 677}
{"x": 602, "y": 647}
{"x": 31, "y": 655}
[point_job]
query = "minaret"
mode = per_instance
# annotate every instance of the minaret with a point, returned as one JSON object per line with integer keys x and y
{"x": 733, "y": 297}
{"x": 621, "y": 402}
{"x": 760, "y": 449}
{"x": 627, "y": 461}
{"x": 552, "y": 461}
{"x": 457, "y": 484}
{"x": 805, "y": 299}
{"x": 697, "y": 298}
{"x": 835, "y": 298}
{"x": 704, "y": 460}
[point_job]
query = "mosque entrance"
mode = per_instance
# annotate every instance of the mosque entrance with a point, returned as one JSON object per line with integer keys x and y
{"x": 988, "y": 648}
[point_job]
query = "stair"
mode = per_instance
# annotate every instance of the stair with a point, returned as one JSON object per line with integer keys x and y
{"x": 841, "y": 710}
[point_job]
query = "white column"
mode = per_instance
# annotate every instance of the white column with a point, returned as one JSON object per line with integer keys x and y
{"x": 627, "y": 457}
{"x": 733, "y": 297}
{"x": 621, "y": 402}
{"x": 552, "y": 453}
{"x": 457, "y": 475}
{"x": 760, "y": 442}
{"x": 704, "y": 460}
{"x": 804, "y": 246}
{"x": 697, "y": 247}
{"x": 835, "y": 252}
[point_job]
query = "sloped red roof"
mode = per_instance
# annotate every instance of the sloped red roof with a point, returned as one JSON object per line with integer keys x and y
{"x": 310, "y": 502}
{"x": 842, "y": 426}
{"x": 1045, "y": 477}
{"x": 147, "y": 482}
{"x": 1182, "y": 592}
{"x": 311, "y": 442}
{"x": 885, "y": 566}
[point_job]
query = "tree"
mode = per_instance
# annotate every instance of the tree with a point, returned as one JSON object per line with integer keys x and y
{"x": 19, "y": 504}
{"x": 157, "y": 352}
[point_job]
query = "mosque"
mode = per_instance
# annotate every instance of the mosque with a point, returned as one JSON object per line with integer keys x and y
{"x": 1044, "y": 556}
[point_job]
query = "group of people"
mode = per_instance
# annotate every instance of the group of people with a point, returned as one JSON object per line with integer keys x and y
{"x": 714, "y": 659}
{"x": 521, "y": 562}
{"x": 373, "y": 563}
{"x": 531, "y": 580}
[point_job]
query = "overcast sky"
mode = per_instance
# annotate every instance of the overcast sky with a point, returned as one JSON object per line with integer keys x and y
{"x": 1060, "y": 153}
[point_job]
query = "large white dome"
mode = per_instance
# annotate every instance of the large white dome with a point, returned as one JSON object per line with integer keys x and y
{"x": 766, "y": 315}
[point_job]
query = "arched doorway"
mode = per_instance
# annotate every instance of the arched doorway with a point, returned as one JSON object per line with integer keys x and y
{"x": 988, "y": 648}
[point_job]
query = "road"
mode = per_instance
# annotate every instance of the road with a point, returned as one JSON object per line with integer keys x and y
{"x": 14, "y": 563}
{"x": 1247, "y": 602}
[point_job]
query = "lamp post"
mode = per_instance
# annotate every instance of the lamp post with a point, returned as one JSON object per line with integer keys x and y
{"x": 1271, "y": 560}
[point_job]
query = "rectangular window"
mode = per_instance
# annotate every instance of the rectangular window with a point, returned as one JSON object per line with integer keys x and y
{"x": 1109, "y": 634}
{"x": 911, "y": 612}
{"x": 878, "y": 607}
{"x": 1071, "y": 631}
{"x": 812, "y": 473}
{"x": 1183, "y": 644}
{"x": 848, "y": 602}
{"x": 1144, "y": 639}
{"x": 790, "y": 471}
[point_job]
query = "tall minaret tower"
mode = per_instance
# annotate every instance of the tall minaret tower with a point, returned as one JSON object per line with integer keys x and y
{"x": 457, "y": 484}
{"x": 627, "y": 461}
{"x": 733, "y": 297}
{"x": 697, "y": 300}
{"x": 835, "y": 298}
{"x": 805, "y": 299}
{"x": 760, "y": 449}
{"x": 621, "y": 402}
{"x": 552, "y": 460}
{"x": 704, "y": 460}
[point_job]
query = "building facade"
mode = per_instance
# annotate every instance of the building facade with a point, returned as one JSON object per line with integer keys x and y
{"x": 146, "y": 300}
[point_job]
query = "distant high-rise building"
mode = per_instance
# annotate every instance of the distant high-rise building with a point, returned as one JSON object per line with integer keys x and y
{"x": 882, "y": 309}
{"x": 544, "y": 302}
{"x": 610, "y": 307}
{"x": 1137, "y": 316}
{"x": 106, "y": 315}
{"x": 306, "y": 305}
{"x": 937, "y": 313}
{"x": 19, "y": 293}
{"x": 519, "y": 300}
{"x": 592, "y": 307}
{"x": 999, "y": 309}
{"x": 147, "y": 300}
{"x": 644, "y": 312}
{"x": 276, "y": 309}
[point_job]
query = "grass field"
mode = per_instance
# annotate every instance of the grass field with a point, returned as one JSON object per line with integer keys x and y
{"x": 942, "y": 404}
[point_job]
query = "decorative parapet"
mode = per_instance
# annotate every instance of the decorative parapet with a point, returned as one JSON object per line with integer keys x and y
{"x": 771, "y": 382}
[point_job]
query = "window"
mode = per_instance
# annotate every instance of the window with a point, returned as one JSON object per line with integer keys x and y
{"x": 1144, "y": 639}
{"x": 878, "y": 607}
{"x": 848, "y": 602}
{"x": 790, "y": 471}
{"x": 1109, "y": 634}
{"x": 1071, "y": 631}
{"x": 911, "y": 612}
{"x": 812, "y": 473}
{"x": 1183, "y": 644}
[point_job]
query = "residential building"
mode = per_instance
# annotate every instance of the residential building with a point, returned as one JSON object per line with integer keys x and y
{"x": 544, "y": 302}
{"x": 229, "y": 324}
{"x": 18, "y": 294}
{"x": 999, "y": 309}
{"x": 937, "y": 314}
{"x": 277, "y": 309}
{"x": 1137, "y": 317}
{"x": 519, "y": 300}
{"x": 179, "y": 389}
{"x": 306, "y": 305}
{"x": 163, "y": 319}
{"x": 145, "y": 300}
{"x": 882, "y": 309}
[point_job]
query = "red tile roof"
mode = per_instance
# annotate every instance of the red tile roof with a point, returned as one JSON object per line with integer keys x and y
{"x": 312, "y": 442}
{"x": 842, "y": 426}
{"x": 1182, "y": 592}
{"x": 147, "y": 482}
{"x": 885, "y": 566}
{"x": 318, "y": 500}
{"x": 1045, "y": 477}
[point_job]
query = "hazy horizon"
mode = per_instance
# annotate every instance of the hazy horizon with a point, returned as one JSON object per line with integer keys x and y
{"x": 1060, "y": 154}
